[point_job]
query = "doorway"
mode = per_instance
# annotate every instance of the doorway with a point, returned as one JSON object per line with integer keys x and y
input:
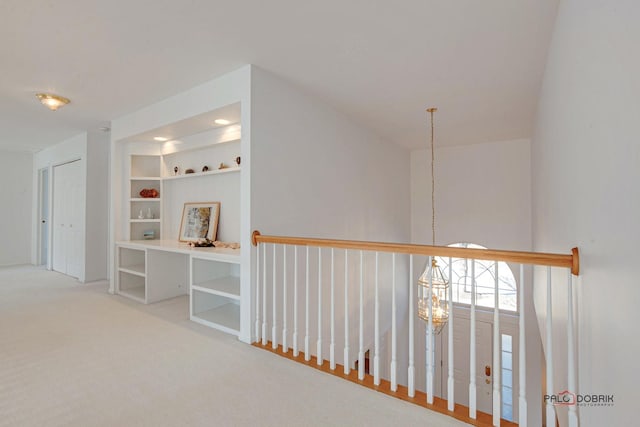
{"x": 43, "y": 216}
{"x": 484, "y": 362}
{"x": 461, "y": 363}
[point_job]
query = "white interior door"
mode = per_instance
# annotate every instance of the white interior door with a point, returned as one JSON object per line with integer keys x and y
{"x": 461, "y": 362}
{"x": 67, "y": 219}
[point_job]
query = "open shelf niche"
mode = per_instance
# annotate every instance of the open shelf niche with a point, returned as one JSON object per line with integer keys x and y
{"x": 203, "y": 163}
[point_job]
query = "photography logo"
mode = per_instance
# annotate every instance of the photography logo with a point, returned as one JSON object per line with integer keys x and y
{"x": 566, "y": 398}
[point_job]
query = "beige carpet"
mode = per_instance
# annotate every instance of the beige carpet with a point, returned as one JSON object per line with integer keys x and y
{"x": 73, "y": 355}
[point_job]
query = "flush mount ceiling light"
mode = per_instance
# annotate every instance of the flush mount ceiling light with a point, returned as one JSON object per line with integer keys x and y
{"x": 53, "y": 102}
{"x": 160, "y": 138}
{"x": 221, "y": 122}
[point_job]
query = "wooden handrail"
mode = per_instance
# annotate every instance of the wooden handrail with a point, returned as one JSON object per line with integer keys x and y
{"x": 571, "y": 261}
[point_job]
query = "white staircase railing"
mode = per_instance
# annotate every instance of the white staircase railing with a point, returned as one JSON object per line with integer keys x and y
{"x": 376, "y": 299}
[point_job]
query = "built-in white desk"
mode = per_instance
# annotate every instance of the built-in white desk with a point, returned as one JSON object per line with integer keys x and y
{"x": 153, "y": 270}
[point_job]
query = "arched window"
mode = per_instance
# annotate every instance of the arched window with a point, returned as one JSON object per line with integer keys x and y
{"x": 485, "y": 280}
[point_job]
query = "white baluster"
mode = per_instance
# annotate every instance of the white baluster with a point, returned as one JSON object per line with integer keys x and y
{"x": 264, "y": 295}
{"x": 450, "y": 380}
{"x": 472, "y": 345}
{"x": 285, "y": 345}
{"x": 376, "y": 315}
{"x": 429, "y": 338}
{"x": 571, "y": 381}
{"x": 394, "y": 379}
{"x": 361, "y": 333}
{"x": 522, "y": 356}
{"x": 296, "y": 351}
{"x": 257, "y": 326}
{"x": 550, "y": 410}
{"x": 347, "y": 360}
{"x": 332, "y": 346}
{"x": 497, "y": 398}
{"x": 274, "y": 334}
{"x": 307, "y": 353}
{"x": 319, "y": 342}
{"x": 411, "y": 371}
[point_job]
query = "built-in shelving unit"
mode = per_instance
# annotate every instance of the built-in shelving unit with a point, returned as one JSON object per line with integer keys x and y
{"x": 161, "y": 267}
{"x": 132, "y": 273}
{"x": 215, "y": 294}
{"x": 144, "y": 212}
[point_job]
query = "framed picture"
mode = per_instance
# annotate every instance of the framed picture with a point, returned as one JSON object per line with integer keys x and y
{"x": 199, "y": 221}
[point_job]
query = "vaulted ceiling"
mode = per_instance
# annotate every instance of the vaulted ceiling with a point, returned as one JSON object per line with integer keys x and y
{"x": 380, "y": 62}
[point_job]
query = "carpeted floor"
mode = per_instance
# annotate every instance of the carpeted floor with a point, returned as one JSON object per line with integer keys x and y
{"x": 73, "y": 355}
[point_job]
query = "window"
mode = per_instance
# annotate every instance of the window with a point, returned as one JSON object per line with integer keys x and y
{"x": 507, "y": 377}
{"x": 461, "y": 280}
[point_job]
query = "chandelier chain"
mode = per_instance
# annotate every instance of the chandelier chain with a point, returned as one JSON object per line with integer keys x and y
{"x": 433, "y": 185}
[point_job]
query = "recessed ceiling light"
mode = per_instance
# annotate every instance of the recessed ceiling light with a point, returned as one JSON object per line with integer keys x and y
{"x": 160, "y": 138}
{"x": 221, "y": 122}
{"x": 51, "y": 101}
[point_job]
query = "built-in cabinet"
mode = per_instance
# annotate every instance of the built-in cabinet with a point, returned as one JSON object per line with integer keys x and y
{"x": 151, "y": 264}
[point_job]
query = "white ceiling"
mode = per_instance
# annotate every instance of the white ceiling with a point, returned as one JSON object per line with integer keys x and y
{"x": 380, "y": 62}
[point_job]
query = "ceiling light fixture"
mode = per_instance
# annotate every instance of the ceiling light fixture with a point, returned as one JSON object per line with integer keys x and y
{"x": 160, "y": 138}
{"x": 53, "y": 102}
{"x": 433, "y": 306}
{"x": 222, "y": 122}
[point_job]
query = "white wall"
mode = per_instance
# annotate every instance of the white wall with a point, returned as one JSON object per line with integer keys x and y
{"x": 15, "y": 207}
{"x": 586, "y": 159}
{"x": 97, "y": 210}
{"x": 483, "y": 196}
{"x": 317, "y": 174}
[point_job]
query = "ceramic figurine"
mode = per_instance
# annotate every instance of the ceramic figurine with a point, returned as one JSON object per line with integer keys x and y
{"x": 238, "y": 160}
{"x": 189, "y": 171}
{"x": 205, "y": 168}
{"x": 175, "y": 170}
{"x": 222, "y": 166}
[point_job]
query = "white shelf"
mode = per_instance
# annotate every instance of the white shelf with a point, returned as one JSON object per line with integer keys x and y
{"x": 144, "y": 199}
{"x": 145, "y": 220}
{"x": 137, "y": 270}
{"x": 225, "y": 286}
{"x": 136, "y": 293}
{"x": 195, "y": 174}
{"x": 225, "y": 318}
{"x": 208, "y": 253}
{"x": 145, "y": 178}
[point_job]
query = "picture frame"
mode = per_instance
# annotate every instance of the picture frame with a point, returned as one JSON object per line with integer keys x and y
{"x": 199, "y": 221}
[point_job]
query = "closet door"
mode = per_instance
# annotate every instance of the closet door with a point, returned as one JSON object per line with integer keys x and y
{"x": 68, "y": 199}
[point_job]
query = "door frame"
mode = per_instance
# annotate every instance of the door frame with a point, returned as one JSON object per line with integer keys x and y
{"x": 42, "y": 202}
{"x": 52, "y": 196}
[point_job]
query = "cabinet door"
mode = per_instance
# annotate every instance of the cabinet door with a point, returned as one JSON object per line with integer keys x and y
{"x": 68, "y": 200}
